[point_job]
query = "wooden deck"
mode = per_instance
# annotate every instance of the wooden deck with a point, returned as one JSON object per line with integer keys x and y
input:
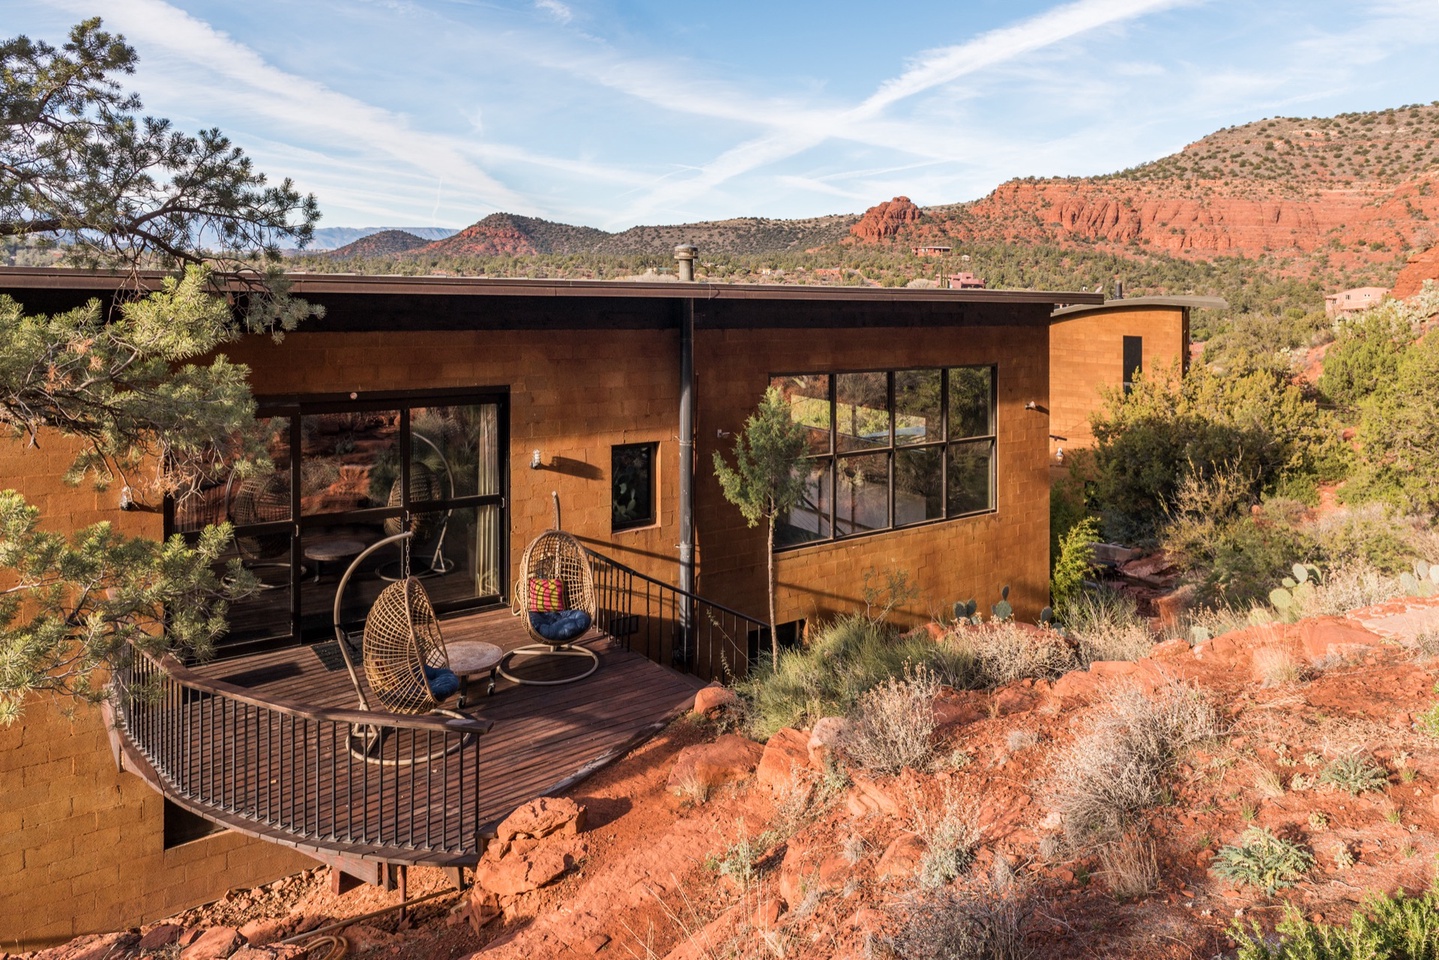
{"x": 543, "y": 739}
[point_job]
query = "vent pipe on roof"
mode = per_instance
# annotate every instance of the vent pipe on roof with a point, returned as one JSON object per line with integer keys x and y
{"x": 685, "y": 255}
{"x": 1119, "y": 289}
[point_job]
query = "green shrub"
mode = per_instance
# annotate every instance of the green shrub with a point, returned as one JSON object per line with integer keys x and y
{"x": 1259, "y": 423}
{"x": 1399, "y": 435}
{"x": 1073, "y": 562}
{"x": 1398, "y": 927}
{"x": 1260, "y": 859}
{"x": 835, "y": 668}
{"x": 1354, "y": 773}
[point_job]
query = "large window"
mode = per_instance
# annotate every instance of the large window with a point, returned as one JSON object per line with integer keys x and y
{"x": 343, "y": 475}
{"x": 632, "y": 485}
{"x": 890, "y": 449}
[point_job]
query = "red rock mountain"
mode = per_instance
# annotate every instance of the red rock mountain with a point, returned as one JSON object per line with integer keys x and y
{"x": 1421, "y": 267}
{"x": 381, "y": 244}
{"x": 1357, "y": 190}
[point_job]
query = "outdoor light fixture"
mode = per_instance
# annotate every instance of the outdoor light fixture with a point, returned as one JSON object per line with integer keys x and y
{"x": 721, "y": 434}
{"x": 127, "y": 498}
{"x": 1031, "y": 405}
{"x": 535, "y": 461}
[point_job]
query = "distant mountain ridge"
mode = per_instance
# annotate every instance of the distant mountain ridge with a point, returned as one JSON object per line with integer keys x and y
{"x": 1324, "y": 197}
{"x": 332, "y": 238}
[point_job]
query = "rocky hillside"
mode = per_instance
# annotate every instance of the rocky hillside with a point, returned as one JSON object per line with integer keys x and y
{"x": 382, "y": 244}
{"x": 1355, "y": 190}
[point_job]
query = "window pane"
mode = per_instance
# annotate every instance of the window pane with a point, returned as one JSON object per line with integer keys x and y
{"x": 350, "y": 461}
{"x": 632, "y": 485}
{"x": 862, "y": 494}
{"x": 861, "y": 411}
{"x": 262, "y": 497}
{"x": 810, "y": 520}
{"x": 917, "y": 483}
{"x": 459, "y": 446}
{"x": 971, "y": 402}
{"x": 916, "y": 406}
{"x": 457, "y": 553}
{"x": 971, "y": 472}
{"x": 266, "y": 612}
{"x": 808, "y": 399}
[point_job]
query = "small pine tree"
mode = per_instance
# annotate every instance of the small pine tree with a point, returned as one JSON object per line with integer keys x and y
{"x": 766, "y": 482}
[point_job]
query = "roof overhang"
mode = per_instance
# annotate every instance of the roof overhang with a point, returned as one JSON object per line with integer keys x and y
{"x": 1195, "y": 303}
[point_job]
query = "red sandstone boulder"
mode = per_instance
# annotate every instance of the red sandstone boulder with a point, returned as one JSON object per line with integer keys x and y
{"x": 901, "y": 859}
{"x": 785, "y": 760}
{"x": 527, "y": 865}
{"x": 731, "y": 757}
{"x": 866, "y": 797}
{"x": 1332, "y": 637}
{"x": 162, "y": 935}
{"x": 810, "y": 870}
{"x": 216, "y": 943}
{"x": 541, "y": 818}
{"x": 886, "y": 219}
{"x": 715, "y": 699}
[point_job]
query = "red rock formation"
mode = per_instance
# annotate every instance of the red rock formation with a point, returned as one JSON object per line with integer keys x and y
{"x": 495, "y": 236}
{"x": 1421, "y": 267}
{"x": 886, "y": 219}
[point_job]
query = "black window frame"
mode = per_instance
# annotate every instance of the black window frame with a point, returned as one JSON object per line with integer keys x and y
{"x": 944, "y": 443}
{"x": 1133, "y": 353}
{"x": 298, "y": 526}
{"x": 653, "y": 518}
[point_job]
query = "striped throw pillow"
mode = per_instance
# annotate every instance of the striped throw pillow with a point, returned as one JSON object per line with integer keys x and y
{"x": 546, "y": 595}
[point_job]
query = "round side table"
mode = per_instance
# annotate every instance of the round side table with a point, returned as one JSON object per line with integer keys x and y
{"x": 473, "y": 658}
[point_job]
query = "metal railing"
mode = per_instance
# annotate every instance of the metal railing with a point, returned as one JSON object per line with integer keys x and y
{"x": 668, "y": 625}
{"x": 292, "y": 768}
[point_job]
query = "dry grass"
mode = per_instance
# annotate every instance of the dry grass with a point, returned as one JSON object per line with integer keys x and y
{"x": 1130, "y": 865}
{"x": 1107, "y": 626}
{"x": 1277, "y": 667}
{"x": 1111, "y": 775}
{"x": 893, "y": 725}
{"x": 985, "y": 924}
{"x": 1004, "y": 652}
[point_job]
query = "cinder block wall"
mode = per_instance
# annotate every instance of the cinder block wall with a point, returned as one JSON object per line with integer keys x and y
{"x": 81, "y": 844}
{"x": 950, "y": 560}
{"x": 1086, "y": 357}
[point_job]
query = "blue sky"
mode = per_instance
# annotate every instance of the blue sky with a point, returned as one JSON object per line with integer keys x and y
{"x": 613, "y": 113}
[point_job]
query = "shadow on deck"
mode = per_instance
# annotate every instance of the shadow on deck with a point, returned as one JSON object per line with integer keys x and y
{"x": 260, "y": 744}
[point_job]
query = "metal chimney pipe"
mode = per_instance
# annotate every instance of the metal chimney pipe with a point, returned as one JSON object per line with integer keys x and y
{"x": 685, "y": 255}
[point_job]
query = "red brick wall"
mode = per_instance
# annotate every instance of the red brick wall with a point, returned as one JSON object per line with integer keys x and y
{"x": 1086, "y": 356}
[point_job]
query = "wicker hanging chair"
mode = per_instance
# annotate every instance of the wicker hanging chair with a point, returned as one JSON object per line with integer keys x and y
{"x": 555, "y": 597}
{"x": 256, "y": 500}
{"x": 404, "y": 659}
{"x": 425, "y": 486}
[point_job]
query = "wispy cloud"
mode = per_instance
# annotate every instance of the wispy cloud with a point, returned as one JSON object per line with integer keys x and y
{"x": 926, "y": 72}
{"x": 556, "y": 11}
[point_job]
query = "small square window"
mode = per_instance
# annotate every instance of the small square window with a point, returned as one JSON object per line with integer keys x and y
{"x": 632, "y": 485}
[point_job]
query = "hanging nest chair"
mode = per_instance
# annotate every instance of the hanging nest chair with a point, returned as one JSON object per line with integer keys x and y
{"x": 404, "y": 661}
{"x": 253, "y": 501}
{"x": 555, "y": 597}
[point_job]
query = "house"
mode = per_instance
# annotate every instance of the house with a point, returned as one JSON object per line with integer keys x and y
{"x": 458, "y": 406}
{"x": 1096, "y": 348}
{"x": 932, "y": 250}
{"x": 965, "y": 281}
{"x": 1353, "y": 301}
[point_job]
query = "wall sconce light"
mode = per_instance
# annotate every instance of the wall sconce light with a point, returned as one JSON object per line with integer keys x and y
{"x": 721, "y": 434}
{"x": 1031, "y": 405}
{"x": 535, "y": 461}
{"x": 127, "y": 498}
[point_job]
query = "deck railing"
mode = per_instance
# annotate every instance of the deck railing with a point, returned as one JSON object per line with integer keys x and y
{"x": 300, "y": 770}
{"x": 668, "y": 625}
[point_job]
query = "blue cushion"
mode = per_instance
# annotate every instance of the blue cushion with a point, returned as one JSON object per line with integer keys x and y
{"x": 443, "y": 683}
{"x": 560, "y": 626}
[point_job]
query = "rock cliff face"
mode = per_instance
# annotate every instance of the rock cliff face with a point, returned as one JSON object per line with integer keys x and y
{"x": 1421, "y": 267}
{"x": 1365, "y": 223}
{"x": 886, "y": 220}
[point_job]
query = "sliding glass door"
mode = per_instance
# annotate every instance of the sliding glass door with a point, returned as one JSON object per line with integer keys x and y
{"x": 346, "y": 473}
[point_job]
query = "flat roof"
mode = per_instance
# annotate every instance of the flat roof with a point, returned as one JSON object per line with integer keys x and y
{"x": 64, "y": 278}
{"x": 1089, "y": 306}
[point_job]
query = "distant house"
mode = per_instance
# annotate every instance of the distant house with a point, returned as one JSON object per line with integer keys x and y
{"x": 932, "y": 250}
{"x": 928, "y": 453}
{"x": 965, "y": 281}
{"x": 1097, "y": 348}
{"x": 1353, "y": 301}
